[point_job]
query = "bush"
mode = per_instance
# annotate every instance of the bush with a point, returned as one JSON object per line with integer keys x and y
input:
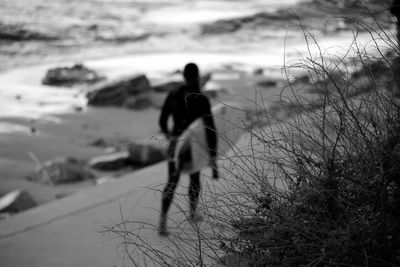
{"x": 338, "y": 161}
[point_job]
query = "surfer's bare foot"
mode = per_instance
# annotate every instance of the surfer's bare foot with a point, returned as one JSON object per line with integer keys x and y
{"x": 214, "y": 167}
{"x": 162, "y": 228}
{"x": 195, "y": 217}
{"x": 215, "y": 174}
{"x": 163, "y": 232}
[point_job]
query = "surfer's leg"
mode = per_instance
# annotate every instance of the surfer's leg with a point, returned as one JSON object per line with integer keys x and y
{"x": 168, "y": 193}
{"x": 194, "y": 193}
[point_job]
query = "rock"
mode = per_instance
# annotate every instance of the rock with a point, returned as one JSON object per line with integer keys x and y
{"x": 4, "y": 215}
{"x": 110, "y": 162}
{"x": 171, "y": 86}
{"x": 335, "y": 25}
{"x": 378, "y": 67}
{"x": 167, "y": 87}
{"x": 10, "y": 32}
{"x": 258, "y": 71}
{"x": 101, "y": 142}
{"x": 123, "y": 38}
{"x": 390, "y": 54}
{"x": 138, "y": 154}
{"x": 304, "y": 79}
{"x": 158, "y": 99}
{"x": 138, "y": 103}
{"x": 147, "y": 153}
{"x": 78, "y": 109}
{"x": 114, "y": 93}
{"x": 70, "y": 76}
{"x": 277, "y": 17}
{"x": 221, "y": 26}
{"x": 63, "y": 195}
{"x": 267, "y": 83}
{"x": 61, "y": 170}
{"x": 110, "y": 145}
{"x": 16, "y": 201}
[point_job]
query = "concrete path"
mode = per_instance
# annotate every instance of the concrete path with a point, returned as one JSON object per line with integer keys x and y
{"x": 67, "y": 232}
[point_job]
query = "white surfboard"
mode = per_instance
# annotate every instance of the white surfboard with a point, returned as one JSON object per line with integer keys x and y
{"x": 229, "y": 123}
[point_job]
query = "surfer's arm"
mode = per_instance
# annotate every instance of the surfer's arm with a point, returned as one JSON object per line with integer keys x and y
{"x": 165, "y": 112}
{"x": 211, "y": 136}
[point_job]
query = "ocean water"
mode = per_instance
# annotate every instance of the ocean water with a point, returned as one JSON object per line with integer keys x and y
{"x": 90, "y": 21}
{"x": 172, "y": 37}
{"x": 200, "y": 11}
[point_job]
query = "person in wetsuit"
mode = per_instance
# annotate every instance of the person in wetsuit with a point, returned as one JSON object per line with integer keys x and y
{"x": 184, "y": 106}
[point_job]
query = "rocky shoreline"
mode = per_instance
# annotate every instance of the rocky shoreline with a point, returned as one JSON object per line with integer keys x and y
{"x": 314, "y": 15}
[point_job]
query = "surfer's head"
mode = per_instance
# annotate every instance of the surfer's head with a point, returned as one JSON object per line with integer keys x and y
{"x": 191, "y": 74}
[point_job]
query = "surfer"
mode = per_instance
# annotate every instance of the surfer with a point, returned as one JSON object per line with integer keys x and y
{"x": 185, "y": 105}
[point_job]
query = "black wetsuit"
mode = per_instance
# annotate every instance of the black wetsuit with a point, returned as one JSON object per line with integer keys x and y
{"x": 185, "y": 106}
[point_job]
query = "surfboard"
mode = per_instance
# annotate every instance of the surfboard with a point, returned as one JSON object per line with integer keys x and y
{"x": 229, "y": 124}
